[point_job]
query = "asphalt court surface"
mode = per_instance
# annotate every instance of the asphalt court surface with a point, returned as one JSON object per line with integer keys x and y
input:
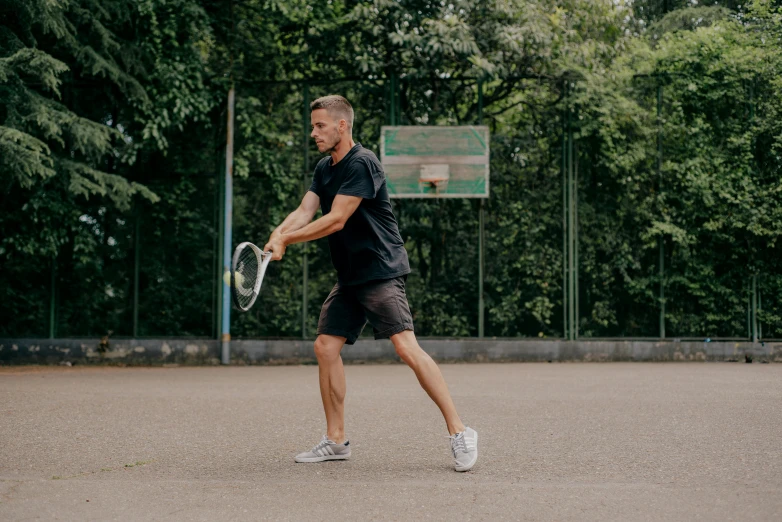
{"x": 614, "y": 441}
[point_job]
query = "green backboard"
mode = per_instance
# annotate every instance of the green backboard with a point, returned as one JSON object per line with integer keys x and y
{"x": 436, "y": 162}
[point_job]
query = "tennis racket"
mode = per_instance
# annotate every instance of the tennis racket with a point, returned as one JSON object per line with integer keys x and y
{"x": 247, "y": 270}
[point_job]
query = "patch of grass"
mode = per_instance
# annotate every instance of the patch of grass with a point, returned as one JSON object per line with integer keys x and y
{"x": 56, "y": 477}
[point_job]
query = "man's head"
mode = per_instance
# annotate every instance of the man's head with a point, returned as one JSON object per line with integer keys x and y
{"x": 332, "y": 120}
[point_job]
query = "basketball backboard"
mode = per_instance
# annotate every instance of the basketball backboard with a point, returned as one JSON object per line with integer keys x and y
{"x": 436, "y": 162}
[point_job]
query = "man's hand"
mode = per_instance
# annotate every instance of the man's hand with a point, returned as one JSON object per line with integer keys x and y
{"x": 276, "y": 245}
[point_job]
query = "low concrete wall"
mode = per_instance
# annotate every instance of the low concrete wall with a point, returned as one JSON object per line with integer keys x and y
{"x": 207, "y": 351}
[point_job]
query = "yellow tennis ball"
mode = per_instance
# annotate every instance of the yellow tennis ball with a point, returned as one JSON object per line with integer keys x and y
{"x": 239, "y": 278}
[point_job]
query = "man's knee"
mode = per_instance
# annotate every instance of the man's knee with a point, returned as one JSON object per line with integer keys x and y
{"x": 406, "y": 345}
{"x": 327, "y": 348}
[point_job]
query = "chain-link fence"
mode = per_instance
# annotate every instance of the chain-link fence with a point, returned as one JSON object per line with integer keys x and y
{"x": 574, "y": 247}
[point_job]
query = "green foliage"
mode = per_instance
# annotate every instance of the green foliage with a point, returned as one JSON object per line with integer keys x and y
{"x": 113, "y": 111}
{"x": 712, "y": 204}
{"x": 79, "y": 85}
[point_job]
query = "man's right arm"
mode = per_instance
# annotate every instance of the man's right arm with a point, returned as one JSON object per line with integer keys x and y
{"x": 299, "y": 217}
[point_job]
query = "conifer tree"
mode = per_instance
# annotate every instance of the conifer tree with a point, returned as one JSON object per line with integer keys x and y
{"x": 44, "y": 44}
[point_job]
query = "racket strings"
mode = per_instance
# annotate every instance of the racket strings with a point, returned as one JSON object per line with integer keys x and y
{"x": 247, "y": 268}
{"x": 245, "y": 276}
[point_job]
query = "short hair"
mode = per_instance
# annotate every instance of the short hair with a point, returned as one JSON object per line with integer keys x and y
{"x": 336, "y": 105}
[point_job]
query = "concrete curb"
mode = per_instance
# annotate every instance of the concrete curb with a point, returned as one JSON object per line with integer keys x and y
{"x": 207, "y": 351}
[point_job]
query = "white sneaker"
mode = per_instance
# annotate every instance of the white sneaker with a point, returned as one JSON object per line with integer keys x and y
{"x": 464, "y": 447}
{"x": 325, "y": 450}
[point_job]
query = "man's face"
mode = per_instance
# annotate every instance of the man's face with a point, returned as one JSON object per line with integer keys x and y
{"x": 325, "y": 130}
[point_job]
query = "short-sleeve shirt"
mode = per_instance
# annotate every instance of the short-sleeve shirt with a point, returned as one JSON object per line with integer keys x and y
{"x": 369, "y": 246}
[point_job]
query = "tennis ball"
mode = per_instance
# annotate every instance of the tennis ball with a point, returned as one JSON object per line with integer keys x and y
{"x": 237, "y": 276}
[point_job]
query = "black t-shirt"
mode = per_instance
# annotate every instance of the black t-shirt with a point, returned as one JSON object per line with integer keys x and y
{"x": 369, "y": 246}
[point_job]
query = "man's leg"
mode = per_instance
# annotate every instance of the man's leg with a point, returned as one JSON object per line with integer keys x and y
{"x": 332, "y": 384}
{"x": 332, "y": 391}
{"x": 386, "y": 307}
{"x": 430, "y": 377}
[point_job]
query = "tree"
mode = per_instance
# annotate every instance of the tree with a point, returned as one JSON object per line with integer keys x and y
{"x": 107, "y": 104}
{"x": 76, "y": 121}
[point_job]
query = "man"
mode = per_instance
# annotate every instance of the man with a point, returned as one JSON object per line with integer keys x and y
{"x": 372, "y": 266}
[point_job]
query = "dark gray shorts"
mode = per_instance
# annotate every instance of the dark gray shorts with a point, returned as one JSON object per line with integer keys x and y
{"x": 383, "y": 303}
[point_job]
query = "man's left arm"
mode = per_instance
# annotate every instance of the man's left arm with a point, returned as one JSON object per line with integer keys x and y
{"x": 341, "y": 209}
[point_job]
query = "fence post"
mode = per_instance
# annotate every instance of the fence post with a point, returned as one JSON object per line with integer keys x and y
{"x": 136, "y": 258}
{"x": 754, "y": 276}
{"x": 754, "y": 308}
{"x": 571, "y": 232}
{"x": 565, "y": 317}
{"x": 749, "y": 309}
{"x": 481, "y": 243}
{"x": 53, "y": 299}
{"x": 760, "y": 309}
{"x": 481, "y": 234}
{"x": 225, "y": 336}
{"x": 659, "y": 195}
{"x": 305, "y": 259}
{"x": 576, "y": 299}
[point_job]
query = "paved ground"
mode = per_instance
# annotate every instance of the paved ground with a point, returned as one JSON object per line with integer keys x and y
{"x": 558, "y": 442}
